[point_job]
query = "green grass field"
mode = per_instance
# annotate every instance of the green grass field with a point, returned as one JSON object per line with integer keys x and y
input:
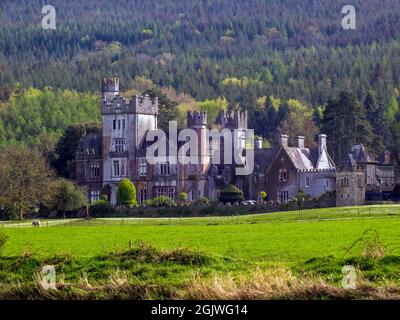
{"x": 318, "y": 241}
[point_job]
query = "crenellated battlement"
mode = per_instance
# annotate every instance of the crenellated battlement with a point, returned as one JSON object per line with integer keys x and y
{"x": 144, "y": 104}
{"x": 195, "y": 118}
{"x": 110, "y": 85}
{"x": 234, "y": 120}
{"x": 115, "y": 104}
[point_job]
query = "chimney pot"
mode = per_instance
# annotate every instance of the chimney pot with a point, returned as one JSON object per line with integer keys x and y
{"x": 300, "y": 142}
{"x": 283, "y": 140}
{"x": 259, "y": 142}
{"x": 321, "y": 143}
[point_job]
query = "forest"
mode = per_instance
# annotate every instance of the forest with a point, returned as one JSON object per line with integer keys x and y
{"x": 288, "y": 62}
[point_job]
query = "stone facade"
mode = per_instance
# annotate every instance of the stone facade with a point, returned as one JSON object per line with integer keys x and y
{"x": 298, "y": 169}
{"x": 350, "y": 187}
{"x": 121, "y": 151}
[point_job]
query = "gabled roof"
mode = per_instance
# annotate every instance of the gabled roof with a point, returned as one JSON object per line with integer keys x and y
{"x": 306, "y": 159}
{"x": 359, "y": 153}
{"x": 300, "y": 157}
{"x": 263, "y": 158}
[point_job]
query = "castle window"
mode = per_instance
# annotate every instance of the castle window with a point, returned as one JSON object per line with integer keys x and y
{"x": 116, "y": 168}
{"x": 307, "y": 182}
{"x": 345, "y": 182}
{"x": 142, "y": 196}
{"x": 123, "y": 124}
{"x": 94, "y": 196}
{"x": 283, "y": 195}
{"x": 95, "y": 171}
{"x": 326, "y": 184}
{"x": 165, "y": 169}
{"x": 166, "y": 191}
{"x": 119, "y": 145}
{"x": 119, "y": 124}
{"x": 283, "y": 176}
{"x": 122, "y": 168}
{"x": 142, "y": 167}
{"x": 114, "y": 124}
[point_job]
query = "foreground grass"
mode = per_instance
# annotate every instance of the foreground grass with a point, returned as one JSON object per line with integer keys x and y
{"x": 138, "y": 258}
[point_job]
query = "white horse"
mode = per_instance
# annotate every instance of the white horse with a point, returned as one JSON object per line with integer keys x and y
{"x": 36, "y": 223}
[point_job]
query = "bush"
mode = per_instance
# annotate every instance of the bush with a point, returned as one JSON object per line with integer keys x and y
{"x": 263, "y": 195}
{"x": 101, "y": 208}
{"x": 203, "y": 201}
{"x": 161, "y": 201}
{"x": 231, "y": 194}
{"x": 3, "y": 241}
{"x": 183, "y": 196}
{"x": 126, "y": 193}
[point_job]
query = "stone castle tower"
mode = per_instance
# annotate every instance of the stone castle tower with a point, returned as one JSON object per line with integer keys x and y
{"x": 125, "y": 123}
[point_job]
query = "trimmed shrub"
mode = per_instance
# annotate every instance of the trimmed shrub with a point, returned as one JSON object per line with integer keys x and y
{"x": 231, "y": 194}
{"x": 183, "y": 196}
{"x": 126, "y": 193}
{"x": 203, "y": 201}
{"x": 161, "y": 201}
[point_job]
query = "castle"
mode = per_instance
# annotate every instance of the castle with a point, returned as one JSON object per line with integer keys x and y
{"x": 282, "y": 172}
{"x": 120, "y": 152}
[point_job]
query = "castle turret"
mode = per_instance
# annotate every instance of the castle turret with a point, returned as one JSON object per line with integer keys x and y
{"x": 234, "y": 120}
{"x": 198, "y": 122}
{"x": 197, "y": 119}
{"x": 110, "y": 88}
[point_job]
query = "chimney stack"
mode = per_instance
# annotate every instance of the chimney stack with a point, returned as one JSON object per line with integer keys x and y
{"x": 300, "y": 142}
{"x": 321, "y": 143}
{"x": 387, "y": 157}
{"x": 258, "y": 143}
{"x": 283, "y": 140}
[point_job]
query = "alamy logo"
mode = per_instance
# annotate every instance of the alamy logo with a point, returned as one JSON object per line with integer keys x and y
{"x": 48, "y": 280}
{"x": 349, "y": 277}
{"x": 349, "y": 20}
{"x": 238, "y": 147}
{"x": 49, "y": 20}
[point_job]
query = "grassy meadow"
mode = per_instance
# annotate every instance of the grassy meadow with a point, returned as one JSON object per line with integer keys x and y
{"x": 192, "y": 257}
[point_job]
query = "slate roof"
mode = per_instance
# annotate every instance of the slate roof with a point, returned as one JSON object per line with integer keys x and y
{"x": 358, "y": 154}
{"x": 306, "y": 159}
{"x": 90, "y": 145}
{"x": 263, "y": 158}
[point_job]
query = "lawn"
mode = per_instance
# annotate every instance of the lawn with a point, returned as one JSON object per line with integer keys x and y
{"x": 236, "y": 244}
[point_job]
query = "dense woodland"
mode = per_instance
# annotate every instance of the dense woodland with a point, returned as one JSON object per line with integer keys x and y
{"x": 288, "y": 62}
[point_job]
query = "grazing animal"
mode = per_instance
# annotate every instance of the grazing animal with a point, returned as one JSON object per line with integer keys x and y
{"x": 36, "y": 223}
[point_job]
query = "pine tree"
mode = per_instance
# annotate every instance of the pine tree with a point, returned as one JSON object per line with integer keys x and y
{"x": 375, "y": 115}
{"x": 345, "y": 123}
